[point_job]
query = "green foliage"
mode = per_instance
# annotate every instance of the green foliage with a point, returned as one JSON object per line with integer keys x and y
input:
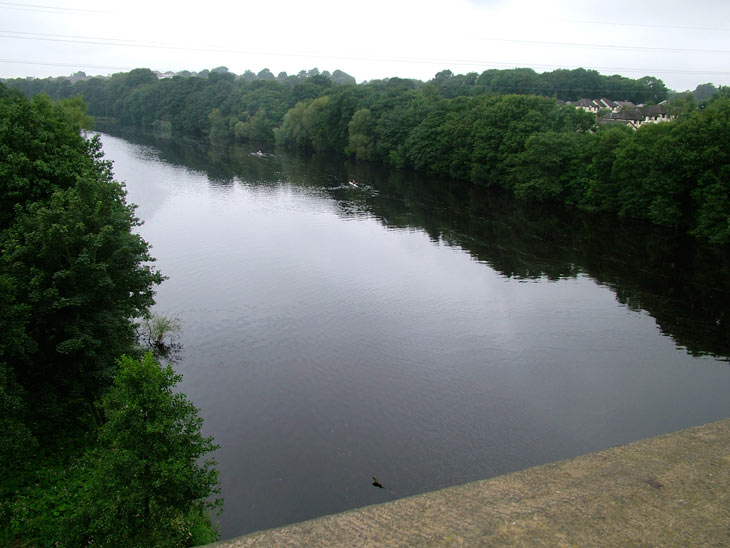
{"x": 219, "y": 131}
{"x": 342, "y": 78}
{"x": 708, "y": 133}
{"x": 652, "y": 89}
{"x": 82, "y": 273}
{"x": 361, "y": 131}
{"x": 160, "y": 335}
{"x": 17, "y": 443}
{"x": 704, "y": 91}
{"x": 314, "y": 122}
{"x": 683, "y": 105}
{"x": 568, "y": 85}
{"x": 399, "y": 114}
{"x": 551, "y": 168}
{"x": 141, "y": 485}
{"x": 427, "y": 148}
{"x": 502, "y": 126}
{"x": 651, "y": 186}
{"x": 602, "y": 191}
{"x": 40, "y": 152}
{"x": 147, "y": 486}
{"x": 72, "y": 273}
{"x": 293, "y": 131}
{"x": 38, "y": 506}
{"x": 76, "y": 112}
{"x": 713, "y": 198}
{"x": 73, "y": 277}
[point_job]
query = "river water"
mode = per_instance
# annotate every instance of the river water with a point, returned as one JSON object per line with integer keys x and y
{"x": 420, "y": 331}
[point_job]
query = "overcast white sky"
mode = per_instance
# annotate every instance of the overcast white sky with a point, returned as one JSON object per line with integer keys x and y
{"x": 684, "y": 43}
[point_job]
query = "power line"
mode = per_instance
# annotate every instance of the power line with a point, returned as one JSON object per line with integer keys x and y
{"x": 101, "y": 39}
{"x": 109, "y": 42}
{"x": 93, "y": 40}
{"x": 73, "y": 65}
{"x": 462, "y": 62}
{"x": 161, "y": 45}
{"x": 641, "y": 25}
{"x": 48, "y": 9}
{"x": 604, "y": 46}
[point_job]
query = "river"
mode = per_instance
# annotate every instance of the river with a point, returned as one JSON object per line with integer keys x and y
{"x": 424, "y": 332}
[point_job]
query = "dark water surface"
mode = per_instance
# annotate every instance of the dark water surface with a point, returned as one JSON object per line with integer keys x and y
{"x": 420, "y": 331}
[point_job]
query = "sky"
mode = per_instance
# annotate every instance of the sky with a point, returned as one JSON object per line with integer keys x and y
{"x": 683, "y": 43}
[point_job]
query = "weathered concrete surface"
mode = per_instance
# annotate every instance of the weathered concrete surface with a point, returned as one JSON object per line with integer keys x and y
{"x": 672, "y": 490}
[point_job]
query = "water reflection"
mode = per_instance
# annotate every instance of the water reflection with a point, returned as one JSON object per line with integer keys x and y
{"x": 682, "y": 283}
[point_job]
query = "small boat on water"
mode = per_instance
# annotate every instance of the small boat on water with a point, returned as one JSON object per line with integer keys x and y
{"x": 352, "y": 183}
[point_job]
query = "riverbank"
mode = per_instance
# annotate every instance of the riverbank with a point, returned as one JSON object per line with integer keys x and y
{"x": 671, "y": 490}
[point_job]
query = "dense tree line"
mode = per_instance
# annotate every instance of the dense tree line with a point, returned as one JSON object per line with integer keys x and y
{"x": 503, "y": 129}
{"x": 251, "y": 106}
{"x": 87, "y": 436}
{"x": 673, "y": 174}
{"x": 213, "y": 103}
{"x": 563, "y": 84}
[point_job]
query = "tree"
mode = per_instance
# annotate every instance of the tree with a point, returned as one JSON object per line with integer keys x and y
{"x": 426, "y": 147}
{"x": 41, "y": 152}
{"x": 148, "y": 487}
{"x": 17, "y": 443}
{"x": 656, "y": 170}
{"x": 342, "y": 78}
{"x": 704, "y": 92}
{"x": 265, "y": 74}
{"x": 315, "y": 121}
{"x": 400, "y": 114}
{"x": 502, "y": 124}
{"x": 74, "y": 276}
{"x": 292, "y": 132}
{"x": 602, "y": 191}
{"x": 709, "y": 133}
{"x": 219, "y": 130}
{"x": 653, "y": 89}
{"x": 551, "y": 167}
{"x": 75, "y": 110}
{"x": 311, "y": 87}
{"x": 519, "y": 80}
{"x": 77, "y": 269}
{"x": 683, "y": 105}
{"x": 362, "y": 135}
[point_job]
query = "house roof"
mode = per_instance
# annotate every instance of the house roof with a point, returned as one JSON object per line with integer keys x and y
{"x": 585, "y": 103}
{"x": 630, "y": 114}
{"x": 609, "y": 104}
{"x": 656, "y": 110}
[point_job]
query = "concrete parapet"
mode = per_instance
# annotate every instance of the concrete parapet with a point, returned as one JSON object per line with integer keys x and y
{"x": 671, "y": 490}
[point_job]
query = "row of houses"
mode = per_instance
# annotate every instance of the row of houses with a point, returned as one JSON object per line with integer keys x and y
{"x": 624, "y": 112}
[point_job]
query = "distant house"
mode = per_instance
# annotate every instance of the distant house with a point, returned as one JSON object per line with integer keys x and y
{"x": 624, "y": 104}
{"x": 608, "y": 104}
{"x": 589, "y": 105}
{"x": 597, "y": 105}
{"x": 657, "y": 113}
{"x": 623, "y": 112}
{"x": 631, "y": 117}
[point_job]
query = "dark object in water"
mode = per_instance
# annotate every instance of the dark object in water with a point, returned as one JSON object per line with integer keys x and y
{"x": 376, "y": 483}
